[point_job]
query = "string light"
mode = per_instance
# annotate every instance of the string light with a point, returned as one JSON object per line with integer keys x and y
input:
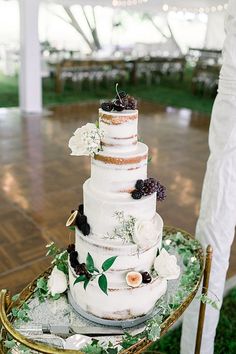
{"x": 166, "y": 7}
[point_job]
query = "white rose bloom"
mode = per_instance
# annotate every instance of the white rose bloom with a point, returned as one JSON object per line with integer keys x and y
{"x": 145, "y": 233}
{"x": 86, "y": 140}
{"x": 166, "y": 265}
{"x": 57, "y": 282}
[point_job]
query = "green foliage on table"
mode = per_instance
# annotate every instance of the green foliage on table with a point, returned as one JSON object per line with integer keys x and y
{"x": 22, "y": 312}
{"x": 95, "y": 273}
{"x": 225, "y": 335}
{"x": 99, "y": 348}
{"x": 60, "y": 257}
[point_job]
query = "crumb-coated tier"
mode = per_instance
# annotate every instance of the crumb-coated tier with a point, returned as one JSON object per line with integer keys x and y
{"x": 120, "y": 130}
{"x": 129, "y": 256}
{"x": 118, "y": 171}
{"x": 100, "y": 208}
{"x": 121, "y": 303}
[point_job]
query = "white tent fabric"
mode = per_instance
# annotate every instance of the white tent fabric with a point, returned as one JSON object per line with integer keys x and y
{"x": 217, "y": 220}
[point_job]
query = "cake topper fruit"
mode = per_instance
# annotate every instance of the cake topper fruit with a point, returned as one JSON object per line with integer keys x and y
{"x": 121, "y": 102}
{"x": 134, "y": 279}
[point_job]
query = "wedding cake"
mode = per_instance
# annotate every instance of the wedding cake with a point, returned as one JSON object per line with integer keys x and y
{"x": 117, "y": 270}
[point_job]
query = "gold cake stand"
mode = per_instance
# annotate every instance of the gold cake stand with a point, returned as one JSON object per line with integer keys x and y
{"x": 6, "y": 305}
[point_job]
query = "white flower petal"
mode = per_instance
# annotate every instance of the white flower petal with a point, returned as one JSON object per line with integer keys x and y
{"x": 57, "y": 282}
{"x": 145, "y": 233}
{"x": 166, "y": 265}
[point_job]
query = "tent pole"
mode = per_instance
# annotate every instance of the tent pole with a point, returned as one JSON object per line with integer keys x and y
{"x": 30, "y": 82}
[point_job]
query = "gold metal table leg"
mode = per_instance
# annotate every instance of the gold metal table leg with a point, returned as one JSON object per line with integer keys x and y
{"x": 202, "y": 311}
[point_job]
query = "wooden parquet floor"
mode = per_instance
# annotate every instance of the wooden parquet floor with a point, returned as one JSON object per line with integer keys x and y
{"x": 40, "y": 182}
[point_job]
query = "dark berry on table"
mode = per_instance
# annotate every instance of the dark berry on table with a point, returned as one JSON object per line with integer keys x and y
{"x": 73, "y": 255}
{"x": 139, "y": 184}
{"x": 122, "y": 95}
{"x": 74, "y": 262}
{"x": 118, "y": 105}
{"x": 71, "y": 248}
{"x": 81, "y": 209}
{"x": 72, "y": 211}
{"x": 146, "y": 277}
{"x": 161, "y": 192}
{"x": 85, "y": 229}
{"x": 107, "y": 106}
{"x": 136, "y": 194}
{"x": 81, "y": 220}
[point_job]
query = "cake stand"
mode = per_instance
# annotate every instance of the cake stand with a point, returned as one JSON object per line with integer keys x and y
{"x": 6, "y": 303}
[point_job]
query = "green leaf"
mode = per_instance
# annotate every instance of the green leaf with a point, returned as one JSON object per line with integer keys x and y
{"x": 72, "y": 228}
{"x": 86, "y": 282}
{"x": 90, "y": 263}
{"x": 149, "y": 159}
{"x": 108, "y": 263}
{"x": 15, "y": 311}
{"x": 42, "y": 284}
{"x": 56, "y": 296}
{"x": 80, "y": 279}
{"x": 102, "y": 282}
{"x": 63, "y": 267}
{"x": 15, "y": 297}
{"x": 9, "y": 343}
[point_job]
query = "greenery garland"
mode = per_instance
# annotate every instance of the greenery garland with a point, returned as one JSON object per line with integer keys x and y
{"x": 186, "y": 248}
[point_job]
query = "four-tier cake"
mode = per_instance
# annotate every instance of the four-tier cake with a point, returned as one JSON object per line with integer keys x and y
{"x": 114, "y": 265}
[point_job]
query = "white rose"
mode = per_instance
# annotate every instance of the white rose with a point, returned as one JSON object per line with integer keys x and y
{"x": 86, "y": 140}
{"x": 145, "y": 233}
{"x": 166, "y": 265}
{"x": 57, "y": 282}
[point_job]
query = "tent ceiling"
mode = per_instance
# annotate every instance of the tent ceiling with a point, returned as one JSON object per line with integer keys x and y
{"x": 150, "y": 4}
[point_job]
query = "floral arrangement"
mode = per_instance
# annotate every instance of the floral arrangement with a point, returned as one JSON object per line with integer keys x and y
{"x": 86, "y": 140}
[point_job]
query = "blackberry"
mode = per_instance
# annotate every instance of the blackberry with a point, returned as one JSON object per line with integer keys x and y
{"x": 150, "y": 186}
{"x": 146, "y": 277}
{"x": 132, "y": 103}
{"x": 72, "y": 211}
{"x": 81, "y": 269}
{"x": 161, "y": 192}
{"x": 71, "y": 248}
{"x": 85, "y": 229}
{"x": 81, "y": 209}
{"x": 81, "y": 220}
{"x": 118, "y": 105}
{"x": 107, "y": 106}
{"x": 73, "y": 255}
{"x": 139, "y": 184}
{"x": 136, "y": 194}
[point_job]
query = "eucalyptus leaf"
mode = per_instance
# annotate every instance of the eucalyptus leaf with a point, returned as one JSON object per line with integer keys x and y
{"x": 108, "y": 263}
{"x": 102, "y": 282}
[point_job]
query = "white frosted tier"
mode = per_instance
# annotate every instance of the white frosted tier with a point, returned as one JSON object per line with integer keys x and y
{"x": 129, "y": 257}
{"x": 120, "y": 129}
{"x": 120, "y": 303}
{"x": 100, "y": 208}
{"x": 119, "y": 171}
